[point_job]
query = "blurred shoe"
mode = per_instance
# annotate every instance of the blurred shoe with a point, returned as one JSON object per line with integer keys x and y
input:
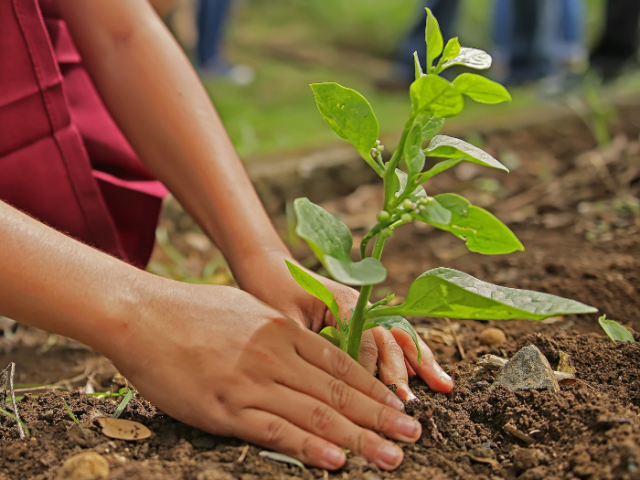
{"x": 238, "y": 74}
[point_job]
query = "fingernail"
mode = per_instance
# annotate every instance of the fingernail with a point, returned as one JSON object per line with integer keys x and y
{"x": 395, "y": 402}
{"x": 443, "y": 374}
{"x": 333, "y": 457}
{"x": 405, "y": 391}
{"x": 407, "y": 427}
{"x": 411, "y": 397}
{"x": 390, "y": 456}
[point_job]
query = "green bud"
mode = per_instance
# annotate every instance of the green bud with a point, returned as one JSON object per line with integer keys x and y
{"x": 386, "y": 232}
{"x": 406, "y": 217}
{"x": 407, "y": 204}
{"x": 383, "y": 216}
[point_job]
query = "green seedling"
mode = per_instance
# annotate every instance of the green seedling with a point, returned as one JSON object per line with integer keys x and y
{"x": 18, "y": 420}
{"x": 70, "y": 412}
{"x": 615, "y": 331}
{"x": 123, "y": 403}
{"x": 441, "y": 292}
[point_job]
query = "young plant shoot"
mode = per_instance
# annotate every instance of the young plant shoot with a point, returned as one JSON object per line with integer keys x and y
{"x": 441, "y": 292}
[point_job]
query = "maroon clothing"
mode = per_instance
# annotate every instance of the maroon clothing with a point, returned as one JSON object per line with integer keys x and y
{"x": 62, "y": 157}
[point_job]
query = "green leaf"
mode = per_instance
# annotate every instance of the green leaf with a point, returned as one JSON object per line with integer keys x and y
{"x": 70, "y": 412}
{"x": 439, "y": 168}
{"x": 395, "y": 322}
{"x": 123, "y": 404}
{"x": 470, "y": 57}
{"x": 435, "y": 214}
{"x": 417, "y": 66}
{"x": 615, "y": 331}
{"x": 451, "y": 50}
{"x": 315, "y": 287}
{"x": 431, "y": 127}
{"x": 349, "y": 115}
{"x": 11, "y": 415}
{"x": 433, "y": 95}
{"x": 482, "y": 232}
{"x": 443, "y": 292}
{"x": 331, "y": 241}
{"x": 481, "y": 89}
{"x": 368, "y": 271}
{"x": 413, "y": 154}
{"x": 332, "y": 334}
{"x": 433, "y": 38}
{"x": 450, "y": 147}
{"x": 402, "y": 179}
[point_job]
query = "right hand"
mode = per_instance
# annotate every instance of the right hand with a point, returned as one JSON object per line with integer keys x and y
{"x": 218, "y": 359}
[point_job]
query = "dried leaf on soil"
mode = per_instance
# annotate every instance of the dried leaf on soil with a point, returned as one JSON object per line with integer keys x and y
{"x": 123, "y": 429}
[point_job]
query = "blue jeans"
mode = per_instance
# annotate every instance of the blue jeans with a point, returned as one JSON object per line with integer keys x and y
{"x": 445, "y": 12}
{"x": 211, "y": 18}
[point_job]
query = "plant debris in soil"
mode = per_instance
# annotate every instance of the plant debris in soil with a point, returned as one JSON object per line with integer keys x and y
{"x": 576, "y": 210}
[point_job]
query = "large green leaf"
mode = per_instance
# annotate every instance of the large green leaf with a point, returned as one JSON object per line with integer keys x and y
{"x": 615, "y": 331}
{"x": 481, "y": 89}
{"x": 433, "y": 38}
{"x": 431, "y": 126}
{"x": 349, "y": 115}
{"x": 443, "y": 292}
{"x": 313, "y": 286}
{"x": 482, "y": 232}
{"x": 331, "y": 241}
{"x": 413, "y": 154}
{"x": 434, "y": 213}
{"x": 450, "y": 147}
{"x": 433, "y": 95}
{"x": 395, "y": 322}
{"x": 470, "y": 57}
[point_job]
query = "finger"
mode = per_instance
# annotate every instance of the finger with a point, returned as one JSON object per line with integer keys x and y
{"x": 428, "y": 368}
{"x": 410, "y": 370}
{"x": 391, "y": 366}
{"x": 369, "y": 352}
{"x": 336, "y": 363}
{"x": 318, "y": 418}
{"x": 276, "y": 433}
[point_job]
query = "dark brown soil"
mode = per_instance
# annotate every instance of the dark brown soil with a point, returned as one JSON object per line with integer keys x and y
{"x": 576, "y": 211}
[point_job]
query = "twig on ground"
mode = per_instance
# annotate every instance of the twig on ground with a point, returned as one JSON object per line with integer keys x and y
{"x": 12, "y": 370}
{"x": 243, "y": 454}
{"x": 511, "y": 429}
{"x": 455, "y": 337}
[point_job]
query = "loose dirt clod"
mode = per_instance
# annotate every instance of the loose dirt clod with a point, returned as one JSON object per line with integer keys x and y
{"x": 123, "y": 429}
{"x": 84, "y": 466}
{"x": 492, "y": 336}
{"x": 529, "y": 369}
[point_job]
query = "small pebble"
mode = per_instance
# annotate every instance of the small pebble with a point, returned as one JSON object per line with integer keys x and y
{"x": 84, "y": 466}
{"x": 491, "y": 337}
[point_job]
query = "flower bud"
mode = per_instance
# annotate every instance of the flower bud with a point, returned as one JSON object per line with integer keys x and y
{"x": 383, "y": 216}
{"x": 406, "y": 217}
{"x": 407, "y": 204}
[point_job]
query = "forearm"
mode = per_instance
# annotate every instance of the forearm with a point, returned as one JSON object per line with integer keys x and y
{"x": 55, "y": 283}
{"x": 158, "y": 101}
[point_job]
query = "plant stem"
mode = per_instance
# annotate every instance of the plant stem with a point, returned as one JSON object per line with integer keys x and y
{"x": 390, "y": 168}
{"x": 356, "y": 324}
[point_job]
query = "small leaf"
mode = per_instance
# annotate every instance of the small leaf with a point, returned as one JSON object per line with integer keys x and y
{"x": 443, "y": 292}
{"x": 315, "y": 287}
{"x": 350, "y": 115}
{"x": 435, "y": 213}
{"x": 433, "y": 95}
{"x": 440, "y": 167}
{"x": 481, "y": 89}
{"x": 451, "y": 147}
{"x": 281, "y": 457}
{"x": 73, "y": 417}
{"x": 331, "y": 241}
{"x": 368, "y": 271}
{"x": 123, "y": 404}
{"x": 413, "y": 154}
{"x": 12, "y": 416}
{"x": 431, "y": 127}
{"x": 433, "y": 38}
{"x": 417, "y": 66}
{"x": 395, "y": 322}
{"x": 451, "y": 50}
{"x": 470, "y": 57}
{"x": 402, "y": 179}
{"x": 615, "y": 331}
{"x": 332, "y": 334}
{"x": 123, "y": 429}
{"x": 482, "y": 232}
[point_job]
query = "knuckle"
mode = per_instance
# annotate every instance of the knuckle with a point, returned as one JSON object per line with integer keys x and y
{"x": 275, "y": 431}
{"x": 362, "y": 441}
{"x": 368, "y": 348}
{"x": 322, "y": 418}
{"x": 381, "y": 417}
{"x": 341, "y": 364}
{"x": 341, "y": 395}
{"x": 393, "y": 348}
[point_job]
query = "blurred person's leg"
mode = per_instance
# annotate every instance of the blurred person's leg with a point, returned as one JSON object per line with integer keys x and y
{"x": 211, "y": 18}
{"x": 446, "y": 12}
{"x": 620, "y": 39}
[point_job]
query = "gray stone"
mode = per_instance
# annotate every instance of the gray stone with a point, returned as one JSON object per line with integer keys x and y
{"x": 529, "y": 369}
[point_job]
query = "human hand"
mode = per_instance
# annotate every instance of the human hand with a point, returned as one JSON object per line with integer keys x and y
{"x": 218, "y": 359}
{"x": 391, "y": 353}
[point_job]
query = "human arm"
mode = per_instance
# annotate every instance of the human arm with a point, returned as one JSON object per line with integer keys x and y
{"x": 280, "y": 385}
{"x": 159, "y": 103}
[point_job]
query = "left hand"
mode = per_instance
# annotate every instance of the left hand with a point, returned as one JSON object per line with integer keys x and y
{"x": 392, "y": 353}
